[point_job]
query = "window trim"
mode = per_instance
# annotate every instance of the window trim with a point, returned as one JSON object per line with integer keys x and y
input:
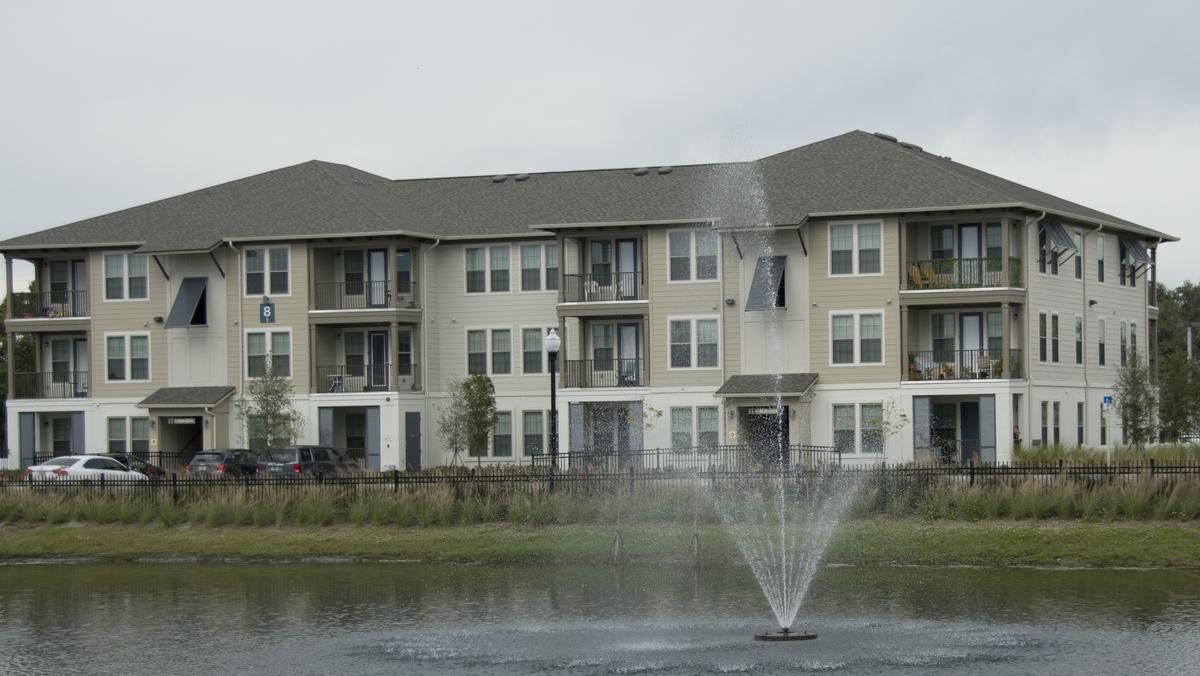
{"x": 695, "y": 345}
{"x": 544, "y": 434}
{"x": 858, "y": 427}
{"x": 521, "y": 270}
{"x": 268, "y": 331}
{"x": 857, "y": 337}
{"x": 544, "y": 331}
{"x": 513, "y": 344}
{"x": 126, "y": 335}
{"x": 691, "y": 256}
{"x": 487, "y": 268}
{"x": 854, "y": 262}
{"x": 267, "y": 289}
{"x": 125, "y": 298}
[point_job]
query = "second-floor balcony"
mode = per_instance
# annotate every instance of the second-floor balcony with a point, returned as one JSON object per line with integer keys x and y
{"x": 49, "y": 304}
{"x": 929, "y": 365}
{"x": 603, "y": 373}
{"x": 50, "y": 385}
{"x": 358, "y": 378}
{"x": 365, "y": 295}
{"x": 599, "y": 288}
{"x": 962, "y": 273}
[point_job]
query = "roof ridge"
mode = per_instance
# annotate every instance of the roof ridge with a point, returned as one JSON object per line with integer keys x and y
{"x": 920, "y": 155}
{"x": 568, "y": 171}
{"x": 354, "y": 195}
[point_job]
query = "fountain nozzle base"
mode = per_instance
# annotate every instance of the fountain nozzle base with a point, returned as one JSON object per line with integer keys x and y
{"x": 784, "y": 634}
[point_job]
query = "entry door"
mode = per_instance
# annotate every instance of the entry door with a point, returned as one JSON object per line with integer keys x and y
{"x": 971, "y": 344}
{"x": 767, "y": 433}
{"x": 60, "y": 368}
{"x": 968, "y": 413}
{"x": 378, "y": 371}
{"x": 627, "y": 283}
{"x": 629, "y": 348}
{"x": 412, "y": 441}
{"x": 377, "y": 282}
{"x": 80, "y": 368}
{"x": 969, "y": 253}
{"x": 60, "y": 286}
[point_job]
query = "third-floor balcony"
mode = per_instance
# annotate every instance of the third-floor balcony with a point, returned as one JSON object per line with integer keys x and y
{"x": 56, "y": 384}
{"x": 600, "y": 288}
{"x": 962, "y": 273}
{"x": 49, "y": 304}
{"x": 927, "y": 365}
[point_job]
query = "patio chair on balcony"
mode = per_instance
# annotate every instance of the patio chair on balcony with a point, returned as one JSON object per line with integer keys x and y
{"x": 336, "y": 383}
{"x": 914, "y": 276}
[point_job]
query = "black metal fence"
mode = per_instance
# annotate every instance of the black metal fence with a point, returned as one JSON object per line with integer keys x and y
{"x": 737, "y": 458}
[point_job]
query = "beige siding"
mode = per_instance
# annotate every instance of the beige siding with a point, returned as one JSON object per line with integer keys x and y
{"x": 127, "y": 316}
{"x": 831, "y": 294}
{"x": 291, "y": 312}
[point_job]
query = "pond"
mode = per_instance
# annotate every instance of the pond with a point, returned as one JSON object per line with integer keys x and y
{"x": 389, "y": 618}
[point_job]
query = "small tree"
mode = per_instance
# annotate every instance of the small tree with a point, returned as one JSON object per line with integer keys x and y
{"x": 1179, "y": 398}
{"x": 1135, "y": 401}
{"x": 468, "y": 417}
{"x": 267, "y": 410}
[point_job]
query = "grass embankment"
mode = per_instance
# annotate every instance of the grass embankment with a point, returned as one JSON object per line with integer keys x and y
{"x": 876, "y": 541}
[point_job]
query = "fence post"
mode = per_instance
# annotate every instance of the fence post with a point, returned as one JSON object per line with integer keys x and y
{"x": 396, "y": 481}
{"x": 1151, "y": 466}
{"x": 971, "y": 466}
{"x": 174, "y": 488}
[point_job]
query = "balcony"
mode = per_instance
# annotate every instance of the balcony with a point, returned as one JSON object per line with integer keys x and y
{"x": 50, "y": 385}
{"x": 49, "y": 304}
{"x": 962, "y": 273}
{"x": 603, "y": 373}
{"x": 342, "y": 379}
{"x": 364, "y": 295}
{"x": 928, "y": 365}
{"x": 612, "y": 287}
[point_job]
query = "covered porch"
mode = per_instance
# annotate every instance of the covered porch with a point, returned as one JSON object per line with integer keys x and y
{"x": 955, "y": 428}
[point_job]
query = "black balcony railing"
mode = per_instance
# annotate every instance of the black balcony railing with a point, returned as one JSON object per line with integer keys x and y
{"x": 961, "y": 365}
{"x": 50, "y": 385}
{"x": 599, "y": 288}
{"x": 49, "y": 304}
{"x": 364, "y": 295}
{"x": 603, "y": 373}
{"x": 962, "y": 273}
{"x": 355, "y": 378}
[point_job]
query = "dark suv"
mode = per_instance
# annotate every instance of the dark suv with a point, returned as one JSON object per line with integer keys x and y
{"x": 297, "y": 461}
{"x": 137, "y": 464}
{"x": 224, "y": 462}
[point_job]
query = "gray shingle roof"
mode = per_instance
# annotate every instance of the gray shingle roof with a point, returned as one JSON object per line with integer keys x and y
{"x": 786, "y": 383}
{"x": 853, "y": 172}
{"x": 187, "y": 396}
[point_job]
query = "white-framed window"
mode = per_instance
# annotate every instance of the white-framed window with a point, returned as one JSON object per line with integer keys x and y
{"x": 539, "y": 267}
{"x": 127, "y": 356}
{"x": 695, "y": 426}
{"x": 1100, "y": 342}
{"x": 268, "y": 270}
{"x": 692, "y": 255}
{"x": 1042, "y": 336}
{"x": 488, "y": 268}
{"x": 489, "y": 351}
{"x": 275, "y": 345}
{"x": 1078, "y": 237}
{"x": 533, "y": 432}
{"x": 126, "y": 277}
{"x": 681, "y": 427}
{"x": 870, "y": 438}
{"x": 502, "y": 435}
{"x": 1054, "y": 337}
{"x": 856, "y": 337}
{"x": 843, "y": 428}
{"x": 1078, "y": 340}
{"x": 694, "y": 342}
{"x": 533, "y": 353}
{"x": 1100, "y": 258}
{"x": 855, "y": 248}
{"x": 708, "y": 426}
{"x": 858, "y": 428}
{"x": 129, "y": 435}
{"x": 118, "y": 440}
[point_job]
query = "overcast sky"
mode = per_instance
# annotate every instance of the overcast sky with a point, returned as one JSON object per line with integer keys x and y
{"x": 109, "y": 105}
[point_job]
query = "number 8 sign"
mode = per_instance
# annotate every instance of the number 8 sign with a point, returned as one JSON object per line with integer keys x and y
{"x": 266, "y": 313}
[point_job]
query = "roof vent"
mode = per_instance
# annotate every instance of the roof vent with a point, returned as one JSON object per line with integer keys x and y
{"x": 521, "y": 177}
{"x": 885, "y": 137}
{"x": 665, "y": 170}
{"x": 912, "y": 146}
{"x": 641, "y": 171}
{"x": 499, "y": 178}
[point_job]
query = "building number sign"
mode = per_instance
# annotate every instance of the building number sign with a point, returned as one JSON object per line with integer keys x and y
{"x": 266, "y": 313}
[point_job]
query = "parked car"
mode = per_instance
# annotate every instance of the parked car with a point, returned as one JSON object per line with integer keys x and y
{"x": 297, "y": 461}
{"x": 137, "y": 464}
{"x": 224, "y": 461}
{"x": 83, "y": 467}
{"x": 346, "y": 463}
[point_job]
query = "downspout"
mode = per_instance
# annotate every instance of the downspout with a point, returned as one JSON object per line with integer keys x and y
{"x": 425, "y": 322}
{"x": 241, "y": 276}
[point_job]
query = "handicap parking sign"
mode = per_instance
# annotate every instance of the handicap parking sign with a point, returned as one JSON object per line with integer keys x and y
{"x": 1108, "y": 401}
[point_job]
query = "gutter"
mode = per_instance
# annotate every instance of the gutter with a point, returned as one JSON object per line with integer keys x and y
{"x": 241, "y": 315}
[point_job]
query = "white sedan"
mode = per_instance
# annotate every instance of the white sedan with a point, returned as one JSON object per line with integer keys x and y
{"x": 83, "y": 467}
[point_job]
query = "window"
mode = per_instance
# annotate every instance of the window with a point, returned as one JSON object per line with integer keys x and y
{"x": 864, "y": 239}
{"x": 768, "y": 289}
{"x": 531, "y": 351}
{"x": 1045, "y": 421}
{"x": 602, "y": 346}
{"x": 1103, "y": 426}
{"x": 353, "y": 271}
{"x": 681, "y": 427}
{"x": 277, "y": 345}
{"x": 995, "y": 337}
{"x": 1054, "y": 338}
{"x": 941, "y": 245}
{"x": 1100, "y": 345}
{"x": 125, "y": 272}
{"x": 943, "y": 338}
{"x": 501, "y": 351}
{"x": 1124, "y": 343}
{"x": 994, "y": 245}
{"x": 856, "y": 338}
{"x": 476, "y": 270}
{"x": 267, "y": 271}
{"x": 532, "y": 430}
{"x": 128, "y": 357}
{"x": 692, "y": 255}
{"x": 354, "y": 346}
{"x": 404, "y": 352}
{"x": 356, "y": 431}
{"x": 60, "y": 435}
{"x": 1079, "y": 423}
{"x": 1078, "y": 256}
{"x": 707, "y": 421}
{"x": 872, "y": 428}
{"x": 502, "y": 436}
{"x": 1100, "y": 258}
{"x": 1042, "y": 337}
{"x": 1057, "y": 419}
{"x": 1078, "y": 340}
{"x": 476, "y": 352}
{"x": 498, "y": 259}
{"x": 116, "y": 435}
{"x": 1133, "y": 340}
{"x": 404, "y": 271}
{"x": 843, "y": 428}
{"x": 531, "y": 267}
{"x": 551, "y": 267}
{"x": 694, "y": 343}
{"x": 1123, "y": 261}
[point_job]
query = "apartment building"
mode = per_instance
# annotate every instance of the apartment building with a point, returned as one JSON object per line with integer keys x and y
{"x": 856, "y": 292}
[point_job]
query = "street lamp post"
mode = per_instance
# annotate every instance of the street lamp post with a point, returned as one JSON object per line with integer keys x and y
{"x": 553, "y": 343}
